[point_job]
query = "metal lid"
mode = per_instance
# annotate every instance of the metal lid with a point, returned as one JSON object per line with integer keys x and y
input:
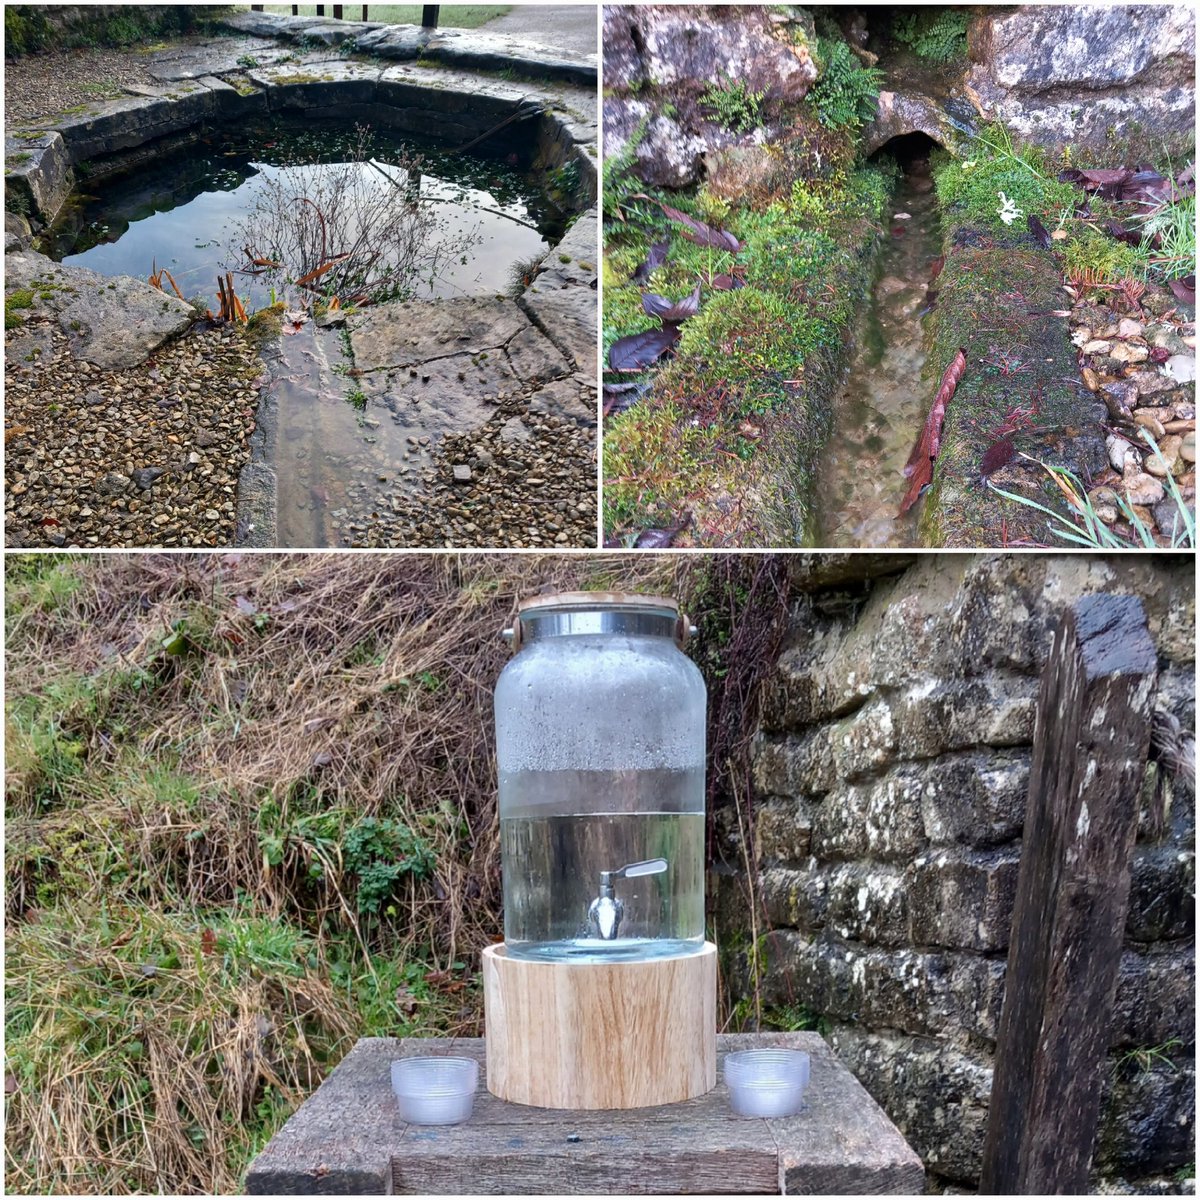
{"x": 597, "y": 600}
{"x": 558, "y": 614}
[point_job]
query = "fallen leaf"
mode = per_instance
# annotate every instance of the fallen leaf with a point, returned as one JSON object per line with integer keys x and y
{"x": 1184, "y": 289}
{"x": 671, "y": 311}
{"x": 654, "y": 259}
{"x": 621, "y": 396}
{"x": 660, "y": 539}
{"x": 208, "y": 942}
{"x": 695, "y": 230}
{"x": 726, "y": 283}
{"x": 1039, "y": 231}
{"x": 246, "y": 607}
{"x": 639, "y": 350}
{"x": 919, "y": 468}
{"x": 997, "y": 455}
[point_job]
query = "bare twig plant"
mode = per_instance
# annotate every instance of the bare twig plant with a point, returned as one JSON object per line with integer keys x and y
{"x": 357, "y": 231}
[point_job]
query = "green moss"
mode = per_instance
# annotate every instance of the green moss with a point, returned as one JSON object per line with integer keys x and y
{"x": 265, "y": 325}
{"x": 969, "y": 188}
{"x": 1104, "y": 259}
{"x": 19, "y": 159}
{"x": 20, "y": 298}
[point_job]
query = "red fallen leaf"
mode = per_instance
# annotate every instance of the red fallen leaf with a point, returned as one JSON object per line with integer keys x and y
{"x": 919, "y": 468}
{"x": 1184, "y": 289}
{"x": 671, "y": 311}
{"x": 694, "y": 230}
{"x": 997, "y": 455}
{"x": 1039, "y": 231}
{"x": 48, "y": 522}
{"x": 1159, "y": 355}
{"x": 208, "y": 942}
{"x": 291, "y": 328}
{"x": 655, "y": 258}
{"x": 935, "y": 267}
{"x": 639, "y": 350}
{"x": 660, "y": 539}
{"x": 726, "y": 283}
{"x": 897, "y": 231}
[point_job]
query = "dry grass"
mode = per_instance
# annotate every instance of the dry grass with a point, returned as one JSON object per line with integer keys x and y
{"x": 251, "y": 817}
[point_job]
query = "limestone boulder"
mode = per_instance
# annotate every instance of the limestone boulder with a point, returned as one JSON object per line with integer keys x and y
{"x": 113, "y": 322}
{"x": 1073, "y": 73}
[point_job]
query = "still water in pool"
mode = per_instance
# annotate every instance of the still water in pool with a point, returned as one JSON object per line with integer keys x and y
{"x": 469, "y": 219}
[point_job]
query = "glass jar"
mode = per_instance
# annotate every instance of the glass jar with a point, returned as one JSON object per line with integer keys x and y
{"x": 600, "y": 739}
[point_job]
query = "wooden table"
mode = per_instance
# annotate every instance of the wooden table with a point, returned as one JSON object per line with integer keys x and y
{"x": 348, "y": 1139}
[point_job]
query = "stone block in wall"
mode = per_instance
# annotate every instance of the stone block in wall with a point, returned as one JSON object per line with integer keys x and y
{"x": 1148, "y": 1119}
{"x": 792, "y": 899}
{"x": 864, "y": 742}
{"x": 948, "y": 715}
{"x": 977, "y": 798}
{"x": 998, "y": 619}
{"x": 1162, "y": 905}
{"x": 936, "y": 1093}
{"x": 879, "y": 819}
{"x": 1156, "y": 1000}
{"x": 902, "y": 989}
{"x": 782, "y": 831}
{"x": 794, "y": 764}
{"x": 867, "y": 902}
{"x": 962, "y": 900}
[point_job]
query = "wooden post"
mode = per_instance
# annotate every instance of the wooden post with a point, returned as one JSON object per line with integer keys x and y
{"x": 364, "y": 12}
{"x": 295, "y": 10}
{"x": 256, "y": 8}
{"x": 1092, "y": 737}
{"x": 429, "y": 16}
{"x": 320, "y": 10}
{"x": 337, "y": 12}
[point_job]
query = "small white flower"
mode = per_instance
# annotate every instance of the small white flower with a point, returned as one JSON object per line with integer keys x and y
{"x": 1008, "y": 211}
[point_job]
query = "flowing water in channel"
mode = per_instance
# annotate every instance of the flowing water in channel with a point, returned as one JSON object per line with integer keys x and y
{"x": 880, "y": 410}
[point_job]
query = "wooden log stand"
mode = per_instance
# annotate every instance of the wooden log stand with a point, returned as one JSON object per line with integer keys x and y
{"x": 600, "y": 1035}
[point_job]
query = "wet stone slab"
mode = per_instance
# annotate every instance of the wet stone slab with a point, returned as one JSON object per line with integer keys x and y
{"x": 111, "y": 322}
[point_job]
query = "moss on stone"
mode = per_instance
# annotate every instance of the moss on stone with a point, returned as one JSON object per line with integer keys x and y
{"x": 996, "y": 301}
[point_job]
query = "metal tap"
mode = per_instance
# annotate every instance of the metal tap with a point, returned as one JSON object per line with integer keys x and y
{"x": 604, "y": 915}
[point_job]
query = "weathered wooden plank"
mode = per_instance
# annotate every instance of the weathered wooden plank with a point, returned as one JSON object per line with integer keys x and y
{"x": 429, "y": 16}
{"x": 349, "y": 1132}
{"x": 1090, "y": 747}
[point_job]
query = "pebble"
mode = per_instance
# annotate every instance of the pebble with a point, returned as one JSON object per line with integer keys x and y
{"x": 1181, "y": 368}
{"x": 106, "y": 464}
{"x": 1143, "y": 489}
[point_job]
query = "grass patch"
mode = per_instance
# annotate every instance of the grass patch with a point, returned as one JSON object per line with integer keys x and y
{"x": 454, "y": 16}
{"x": 249, "y": 818}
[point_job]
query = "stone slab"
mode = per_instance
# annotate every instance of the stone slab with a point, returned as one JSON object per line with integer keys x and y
{"x": 37, "y": 172}
{"x": 474, "y": 49}
{"x": 113, "y": 322}
{"x": 562, "y": 300}
{"x": 348, "y": 1139}
{"x": 410, "y": 334}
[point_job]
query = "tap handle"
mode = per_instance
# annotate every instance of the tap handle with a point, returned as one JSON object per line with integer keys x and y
{"x": 652, "y": 866}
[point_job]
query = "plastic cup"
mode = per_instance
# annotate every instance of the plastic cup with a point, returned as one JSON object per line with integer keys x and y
{"x": 435, "y": 1091}
{"x": 767, "y": 1083}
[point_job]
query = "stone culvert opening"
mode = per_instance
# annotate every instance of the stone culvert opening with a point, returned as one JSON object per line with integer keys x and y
{"x": 910, "y": 150}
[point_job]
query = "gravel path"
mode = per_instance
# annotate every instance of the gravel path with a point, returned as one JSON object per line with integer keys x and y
{"x": 527, "y": 479}
{"x": 143, "y": 457}
{"x": 39, "y": 85}
{"x": 566, "y": 26}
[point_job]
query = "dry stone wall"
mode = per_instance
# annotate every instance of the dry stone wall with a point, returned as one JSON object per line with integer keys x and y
{"x": 890, "y": 777}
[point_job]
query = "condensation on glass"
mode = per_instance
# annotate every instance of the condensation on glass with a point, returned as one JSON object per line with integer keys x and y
{"x": 600, "y": 727}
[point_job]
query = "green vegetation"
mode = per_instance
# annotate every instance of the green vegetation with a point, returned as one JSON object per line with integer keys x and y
{"x": 28, "y": 30}
{"x": 16, "y": 300}
{"x": 454, "y": 16}
{"x": 969, "y": 187}
{"x": 847, "y": 92}
{"x": 937, "y": 34}
{"x": 750, "y": 354}
{"x": 1175, "y": 253}
{"x": 1095, "y": 257}
{"x": 224, "y": 865}
{"x": 734, "y": 105}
